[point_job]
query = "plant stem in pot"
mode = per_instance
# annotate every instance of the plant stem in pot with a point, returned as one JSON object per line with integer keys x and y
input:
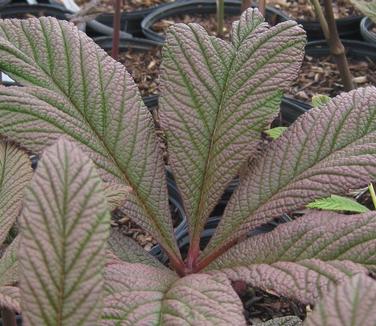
{"x": 116, "y": 35}
{"x": 329, "y": 28}
{"x": 337, "y": 48}
{"x": 220, "y": 16}
{"x": 262, "y": 6}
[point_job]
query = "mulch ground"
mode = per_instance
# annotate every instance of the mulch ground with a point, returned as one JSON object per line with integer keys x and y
{"x": 320, "y": 76}
{"x": 302, "y": 9}
{"x": 128, "y": 5}
{"x": 144, "y": 68}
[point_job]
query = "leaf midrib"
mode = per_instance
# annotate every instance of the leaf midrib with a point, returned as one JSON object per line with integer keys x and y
{"x": 202, "y": 203}
{"x": 199, "y": 222}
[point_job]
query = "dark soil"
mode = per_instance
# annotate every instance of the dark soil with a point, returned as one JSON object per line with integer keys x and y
{"x": 128, "y": 5}
{"x": 208, "y": 21}
{"x": 261, "y": 306}
{"x": 144, "y": 68}
{"x": 320, "y": 76}
{"x": 302, "y": 9}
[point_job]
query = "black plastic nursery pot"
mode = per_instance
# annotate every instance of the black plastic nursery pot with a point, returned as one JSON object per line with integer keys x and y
{"x": 18, "y": 321}
{"x": 130, "y": 22}
{"x": 4, "y": 2}
{"x": 348, "y": 28}
{"x": 291, "y": 109}
{"x": 129, "y": 43}
{"x": 94, "y": 28}
{"x": 192, "y": 7}
{"x": 354, "y": 49}
{"x": 20, "y": 10}
{"x": 366, "y": 26}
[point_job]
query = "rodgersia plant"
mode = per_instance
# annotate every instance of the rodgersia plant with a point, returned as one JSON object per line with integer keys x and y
{"x": 216, "y": 99}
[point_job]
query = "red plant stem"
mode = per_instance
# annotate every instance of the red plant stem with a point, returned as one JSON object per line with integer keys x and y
{"x": 8, "y": 317}
{"x": 116, "y": 33}
{"x": 246, "y": 4}
{"x": 177, "y": 264}
{"x": 262, "y": 6}
{"x": 215, "y": 254}
{"x": 336, "y": 47}
{"x": 193, "y": 253}
{"x": 220, "y": 16}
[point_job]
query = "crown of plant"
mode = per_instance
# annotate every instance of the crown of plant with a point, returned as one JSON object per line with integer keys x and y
{"x": 216, "y": 100}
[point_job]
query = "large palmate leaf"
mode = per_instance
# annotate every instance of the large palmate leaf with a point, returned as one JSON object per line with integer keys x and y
{"x": 64, "y": 229}
{"x": 300, "y": 259}
{"x": 351, "y": 303}
{"x": 15, "y": 173}
{"x": 144, "y": 295}
{"x": 217, "y": 97}
{"x": 326, "y": 151}
{"x": 76, "y": 89}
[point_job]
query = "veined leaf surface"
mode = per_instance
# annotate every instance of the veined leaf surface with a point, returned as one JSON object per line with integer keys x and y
{"x": 217, "y": 97}
{"x": 10, "y": 298}
{"x": 15, "y": 173}
{"x": 9, "y": 264}
{"x": 144, "y": 295}
{"x": 64, "y": 230}
{"x": 116, "y": 194}
{"x": 326, "y": 151}
{"x": 76, "y": 89}
{"x": 351, "y": 303}
{"x": 302, "y": 258}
